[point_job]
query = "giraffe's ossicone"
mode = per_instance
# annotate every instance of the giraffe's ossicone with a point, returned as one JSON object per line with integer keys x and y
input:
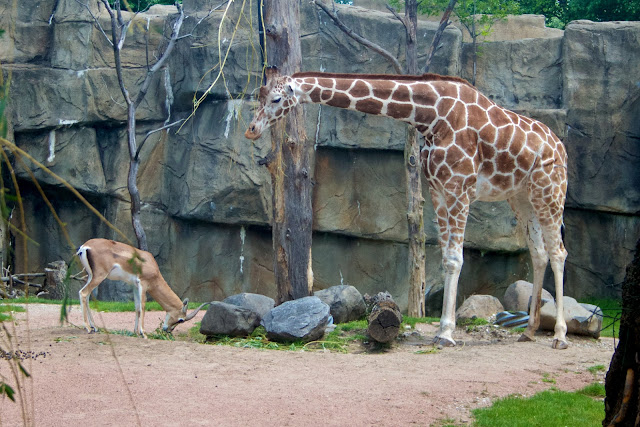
{"x": 474, "y": 150}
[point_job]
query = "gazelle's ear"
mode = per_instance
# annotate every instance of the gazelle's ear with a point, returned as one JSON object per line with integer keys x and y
{"x": 185, "y": 304}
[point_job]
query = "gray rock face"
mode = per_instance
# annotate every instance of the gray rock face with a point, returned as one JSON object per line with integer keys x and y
{"x": 479, "y": 306}
{"x": 228, "y": 319}
{"x": 345, "y": 302}
{"x": 304, "y": 319}
{"x": 603, "y": 126}
{"x": 206, "y": 202}
{"x": 518, "y": 296}
{"x": 259, "y": 304}
{"x": 579, "y": 320}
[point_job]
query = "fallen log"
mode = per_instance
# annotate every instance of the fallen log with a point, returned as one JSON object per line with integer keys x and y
{"x": 385, "y": 318}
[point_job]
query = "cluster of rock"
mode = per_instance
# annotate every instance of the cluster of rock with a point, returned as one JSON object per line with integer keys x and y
{"x": 581, "y": 318}
{"x": 305, "y": 319}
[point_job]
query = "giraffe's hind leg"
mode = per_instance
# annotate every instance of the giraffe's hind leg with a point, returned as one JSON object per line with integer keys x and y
{"x": 530, "y": 225}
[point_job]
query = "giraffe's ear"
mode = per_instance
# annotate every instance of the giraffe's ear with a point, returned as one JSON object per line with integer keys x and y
{"x": 288, "y": 89}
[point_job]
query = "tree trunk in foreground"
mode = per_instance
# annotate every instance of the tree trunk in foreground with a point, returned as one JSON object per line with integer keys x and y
{"x": 290, "y": 159}
{"x": 622, "y": 382}
{"x": 413, "y": 169}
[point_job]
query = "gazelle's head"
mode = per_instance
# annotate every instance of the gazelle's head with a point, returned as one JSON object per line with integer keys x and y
{"x": 179, "y": 315}
{"x": 276, "y": 99}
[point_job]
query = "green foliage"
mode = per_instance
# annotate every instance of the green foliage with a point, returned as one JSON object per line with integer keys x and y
{"x": 140, "y": 5}
{"x": 548, "y": 409}
{"x": 560, "y": 13}
{"x": 7, "y": 391}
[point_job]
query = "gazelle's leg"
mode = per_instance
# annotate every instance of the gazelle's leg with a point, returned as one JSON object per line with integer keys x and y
{"x": 452, "y": 211}
{"x": 136, "y": 301}
{"x": 142, "y": 298}
{"x": 533, "y": 233}
{"x": 84, "y": 295}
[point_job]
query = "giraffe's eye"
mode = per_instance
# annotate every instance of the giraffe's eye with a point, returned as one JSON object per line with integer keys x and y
{"x": 276, "y": 100}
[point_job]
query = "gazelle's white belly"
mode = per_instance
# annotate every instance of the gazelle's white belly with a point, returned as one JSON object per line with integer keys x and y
{"x": 118, "y": 273}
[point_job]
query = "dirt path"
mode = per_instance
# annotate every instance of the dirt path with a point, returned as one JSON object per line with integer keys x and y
{"x": 111, "y": 380}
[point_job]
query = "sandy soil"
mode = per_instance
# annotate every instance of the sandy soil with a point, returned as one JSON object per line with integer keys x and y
{"x": 111, "y": 380}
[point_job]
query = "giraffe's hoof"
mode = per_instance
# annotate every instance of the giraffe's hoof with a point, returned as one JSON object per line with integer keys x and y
{"x": 525, "y": 338}
{"x": 559, "y": 344}
{"x": 444, "y": 342}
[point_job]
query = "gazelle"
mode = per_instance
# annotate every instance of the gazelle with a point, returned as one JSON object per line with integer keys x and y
{"x": 106, "y": 259}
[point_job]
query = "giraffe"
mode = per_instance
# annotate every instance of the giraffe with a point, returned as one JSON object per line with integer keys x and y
{"x": 474, "y": 150}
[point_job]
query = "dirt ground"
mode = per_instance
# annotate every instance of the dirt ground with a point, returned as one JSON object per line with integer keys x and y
{"x": 112, "y": 380}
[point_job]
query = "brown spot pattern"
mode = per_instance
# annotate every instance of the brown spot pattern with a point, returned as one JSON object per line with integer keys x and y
{"x": 369, "y": 105}
{"x": 399, "y": 111}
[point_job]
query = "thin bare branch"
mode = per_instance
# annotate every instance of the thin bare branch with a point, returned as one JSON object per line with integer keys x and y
{"x": 444, "y": 22}
{"x": 151, "y": 132}
{"x": 348, "y": 31}
{"x": 398, "y": 17}
{"x": 95, "y": 18}
{"x": 172, "y": 42}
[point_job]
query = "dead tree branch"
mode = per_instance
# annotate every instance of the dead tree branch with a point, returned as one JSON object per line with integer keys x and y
{"x": 365, "y": 42}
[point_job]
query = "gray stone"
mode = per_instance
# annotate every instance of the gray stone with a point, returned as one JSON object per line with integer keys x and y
{"x": 260, "y": 304}
{"x": 515, "y": 75}
{"x": 228, "y": 319}
{"x": 479, "y": 306}
{"x": 579, "y": 320}
{"x": 518, "y": 296}
{"x": 304, "y": 319}
{"x": 602, "y": 141}
{"x": 345, "y": 301}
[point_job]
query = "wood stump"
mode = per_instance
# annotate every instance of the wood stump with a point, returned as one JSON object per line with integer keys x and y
{"x": 385, "y": 318}
{"x": 54, "y": 286}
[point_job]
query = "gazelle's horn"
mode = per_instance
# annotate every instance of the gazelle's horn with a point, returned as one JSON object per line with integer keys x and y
{"x": 194, "y": 312}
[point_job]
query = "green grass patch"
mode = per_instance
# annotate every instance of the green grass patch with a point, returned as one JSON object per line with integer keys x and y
{"x": 6, "y": 309}
{"x": 593, "y": 390}
{"x": 158, "y": 334}
{"x": 595, "y": 369}
{"x": 411, "y": 321}
{"x": 106, "y": 306}
{"x": 547, "y": 408}
{"x": 338, "y": 340}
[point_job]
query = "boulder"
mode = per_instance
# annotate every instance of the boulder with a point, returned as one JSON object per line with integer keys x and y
{"x": 345, "y": 302}
{"x": 259, "y": 304}
{"x": 579, "y": 320}
{"x": 228, "y": 319}
{"x": 518, "y": 296}
{"x": 479, "y": 306}
{"x": 304, "y": 319}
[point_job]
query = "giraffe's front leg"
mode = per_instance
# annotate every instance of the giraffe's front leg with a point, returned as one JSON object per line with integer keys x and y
{"x": 451, "y": 211}
{"x": 452, "y": 265}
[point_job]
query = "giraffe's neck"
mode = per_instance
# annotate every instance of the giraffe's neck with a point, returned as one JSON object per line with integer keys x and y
{"x": 409, "y": 100}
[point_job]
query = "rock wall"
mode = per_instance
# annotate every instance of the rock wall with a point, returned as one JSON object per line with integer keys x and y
{"x": 207, "y": 203}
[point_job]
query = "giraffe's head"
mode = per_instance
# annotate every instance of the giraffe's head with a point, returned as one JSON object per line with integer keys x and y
{"x": 276, "y": 99}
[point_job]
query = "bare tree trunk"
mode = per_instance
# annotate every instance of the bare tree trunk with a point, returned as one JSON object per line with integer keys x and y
{"x": 444, "y": 22}
{"x": 621, "y": 404}
{"x": 119, "y": 30}
{"x": 289, "y": 161}
{"x": 415, "y": 201}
